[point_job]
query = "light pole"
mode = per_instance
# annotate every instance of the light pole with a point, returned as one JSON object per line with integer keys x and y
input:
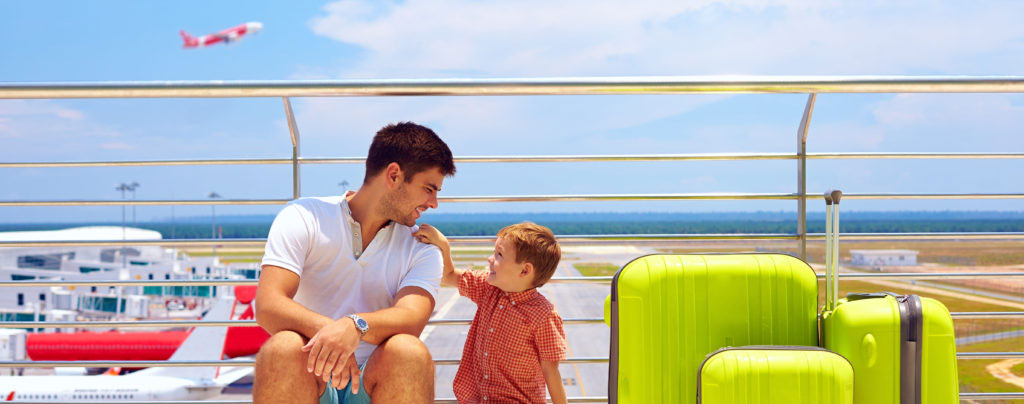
{"x": 213, "y": 221}
{"x": 344, "y": 187}
{"x": 132, "y": 188}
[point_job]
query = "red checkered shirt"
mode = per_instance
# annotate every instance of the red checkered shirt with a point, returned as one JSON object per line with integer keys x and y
{"x": 510, "y": 336}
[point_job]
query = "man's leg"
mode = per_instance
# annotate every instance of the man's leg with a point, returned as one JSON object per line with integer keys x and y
{"x": 281, "y": 375}
{"x": 400, "y": 371}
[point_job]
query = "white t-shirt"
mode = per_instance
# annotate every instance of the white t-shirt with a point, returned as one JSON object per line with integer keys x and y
{"x": 312, "y": 237}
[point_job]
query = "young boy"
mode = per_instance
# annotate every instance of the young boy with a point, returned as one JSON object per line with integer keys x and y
{"x": 516, "y": 339}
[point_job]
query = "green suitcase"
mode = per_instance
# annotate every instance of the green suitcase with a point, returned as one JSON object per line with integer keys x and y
{"x": 902, "y": 347}
{"x": 668, "y": 312}
{"x": 775, "y": 375}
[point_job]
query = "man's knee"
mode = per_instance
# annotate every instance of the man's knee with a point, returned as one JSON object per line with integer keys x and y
{"x": 281, "y": 346}
{"x": 408, "y": 349}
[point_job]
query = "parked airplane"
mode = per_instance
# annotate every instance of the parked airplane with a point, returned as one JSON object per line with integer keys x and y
{"x": 142, "y": 345}
{"x": 227, "y": 36}
{"x": 156, "y": 383}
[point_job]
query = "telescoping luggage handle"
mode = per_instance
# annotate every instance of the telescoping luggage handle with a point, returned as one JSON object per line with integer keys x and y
{"x": 832, "y": 247}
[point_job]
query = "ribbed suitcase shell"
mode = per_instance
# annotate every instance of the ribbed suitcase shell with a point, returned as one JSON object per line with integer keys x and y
{"x": 867, "y": 332}
{"x": 775, "y": 375}
{"x": 669, "y": 311}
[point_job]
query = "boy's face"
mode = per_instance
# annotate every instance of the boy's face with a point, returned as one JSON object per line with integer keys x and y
{"x": 506, "y": 274}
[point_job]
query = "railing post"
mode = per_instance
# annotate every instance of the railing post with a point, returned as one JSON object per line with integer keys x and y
{"x": 293, "y": 129}
{"x": 801, "y": 174}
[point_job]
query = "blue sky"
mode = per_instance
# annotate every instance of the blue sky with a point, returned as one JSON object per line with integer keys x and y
{"x": 122, "y": 40}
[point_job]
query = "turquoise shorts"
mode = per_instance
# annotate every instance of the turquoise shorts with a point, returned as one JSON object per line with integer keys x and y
{"x": 344, "y": 395}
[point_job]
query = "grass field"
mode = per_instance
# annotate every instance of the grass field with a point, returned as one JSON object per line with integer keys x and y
{"x": 596, "y": 268}
{"x": 974, "y": 377}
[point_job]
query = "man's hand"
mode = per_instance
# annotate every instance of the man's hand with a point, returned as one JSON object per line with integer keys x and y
{"x": 331, "y": 353}
{"x": 430, "y": 235}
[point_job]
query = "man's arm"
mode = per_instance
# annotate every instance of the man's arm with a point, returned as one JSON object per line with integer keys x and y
{"x": 408, "y": 315}
{"x": 277, "y": 311}
{"x": 554, "y": 381}
{"x": 430, "y": 235}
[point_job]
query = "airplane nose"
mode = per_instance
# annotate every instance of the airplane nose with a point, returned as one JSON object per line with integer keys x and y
{"x": 255, "y": 26}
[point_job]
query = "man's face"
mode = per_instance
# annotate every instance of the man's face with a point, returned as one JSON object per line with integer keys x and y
{"x": 410, "y": 199}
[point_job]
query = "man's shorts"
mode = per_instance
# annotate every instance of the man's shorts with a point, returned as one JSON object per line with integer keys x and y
{"x": 344, "y": 395}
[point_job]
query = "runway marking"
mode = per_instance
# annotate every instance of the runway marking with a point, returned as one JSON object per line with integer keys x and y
{"x": 443, "y": 311}
{"x": 575, "y": 368}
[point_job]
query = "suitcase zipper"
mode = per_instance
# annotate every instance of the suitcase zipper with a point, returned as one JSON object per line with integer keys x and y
{"x": 911, "y": 320}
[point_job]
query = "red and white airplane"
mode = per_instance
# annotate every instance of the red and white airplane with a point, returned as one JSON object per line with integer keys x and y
{"x": 143, "y": 345}
{"x": 227, "y": 36}
{"x": 157, "y": 383}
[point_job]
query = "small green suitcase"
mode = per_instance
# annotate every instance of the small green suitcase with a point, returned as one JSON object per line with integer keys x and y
{"x": 775, "y": 375}
{"x": 669, "y": 311}
{"x": 902, "y": 347}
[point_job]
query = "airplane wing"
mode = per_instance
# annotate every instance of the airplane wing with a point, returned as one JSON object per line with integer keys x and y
{"x": 230, "y": 375}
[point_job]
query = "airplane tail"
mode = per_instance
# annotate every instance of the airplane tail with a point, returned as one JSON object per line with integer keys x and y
{"x": 203, "y": 343}
{"x": 190, "y": 41}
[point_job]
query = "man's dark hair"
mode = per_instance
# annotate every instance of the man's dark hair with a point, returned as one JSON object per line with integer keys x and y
{"x": 414, "y": 147}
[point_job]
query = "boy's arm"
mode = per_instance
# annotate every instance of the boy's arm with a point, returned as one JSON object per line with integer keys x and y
{"x": 554, "y": 381}
{"x": 430, "y": 235}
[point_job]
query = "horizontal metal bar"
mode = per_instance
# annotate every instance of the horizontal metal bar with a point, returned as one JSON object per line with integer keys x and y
{"x": 581, "y": 158}
{"x": 467, "y": 321}
{"x": 989, "y": 355}
{"x": 931, "y": 236}
{"x": 439, "y": 362}
{"x": 529, "y": 198}
{"x": 580, "y": 360}
{"x": 129, "y": 364}
{"x": 143, "y": 163}
{"x": 991, "y": 396}
{"x": 517, "y": 86}
{"x": 926, "y": 196}
{"x": 621, "y": 197}
{"x": 198, "y": 363}
{"x": 196, "y": 282}
{"x": 986, "y": 314}
{"x": 596, "y": 399}
{"x": 911, "y": 155}
{"x": 127, "y": 324}
{"x": 139, "y": 402}
{"x": 198, "y": 242}
{"x": 930, "y": 275}
{"x": 526, "y": 159}
{"x": 568, "y": 239}
{"x": 207, "y": 323}
{"x": 434, "y": 322}
{"x": 580, "y": 279}
{"x": 163, "y": 202}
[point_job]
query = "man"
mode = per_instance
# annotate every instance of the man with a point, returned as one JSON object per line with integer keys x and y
{"x": 346, "y": 289}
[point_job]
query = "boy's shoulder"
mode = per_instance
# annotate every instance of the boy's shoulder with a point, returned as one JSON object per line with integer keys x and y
{"x": 540, "y": 304}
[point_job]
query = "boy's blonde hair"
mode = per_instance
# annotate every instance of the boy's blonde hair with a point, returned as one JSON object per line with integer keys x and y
{"x": 535, "y": 244}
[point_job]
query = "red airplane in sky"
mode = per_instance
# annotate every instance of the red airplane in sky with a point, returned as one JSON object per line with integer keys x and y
{"x": 227, "y": 36}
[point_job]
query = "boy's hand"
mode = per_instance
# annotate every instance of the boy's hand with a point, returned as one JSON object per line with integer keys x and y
{"x": 430, "y": 235}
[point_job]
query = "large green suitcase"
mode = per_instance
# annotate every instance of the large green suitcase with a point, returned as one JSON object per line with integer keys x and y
{"x": 902, "y": 347}
{"x": 775, "y": 375}
{"x": 669, "y": 311}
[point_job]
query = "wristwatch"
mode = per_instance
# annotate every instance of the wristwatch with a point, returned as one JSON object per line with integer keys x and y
{"x": 361, "y": 324}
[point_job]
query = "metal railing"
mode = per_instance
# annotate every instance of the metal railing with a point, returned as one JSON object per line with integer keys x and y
{"x": 553, "y": 86}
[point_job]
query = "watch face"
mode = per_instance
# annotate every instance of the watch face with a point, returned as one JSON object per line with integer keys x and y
{"x": 362, "y": 324}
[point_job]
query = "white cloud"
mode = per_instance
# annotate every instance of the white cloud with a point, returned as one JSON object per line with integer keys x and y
{"x": 588, "y": 37}
{"x": 48, "y": 125}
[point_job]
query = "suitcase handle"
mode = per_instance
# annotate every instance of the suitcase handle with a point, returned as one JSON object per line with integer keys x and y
{"x": 862, "y": 296}
{"x": 832, "y": 197}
